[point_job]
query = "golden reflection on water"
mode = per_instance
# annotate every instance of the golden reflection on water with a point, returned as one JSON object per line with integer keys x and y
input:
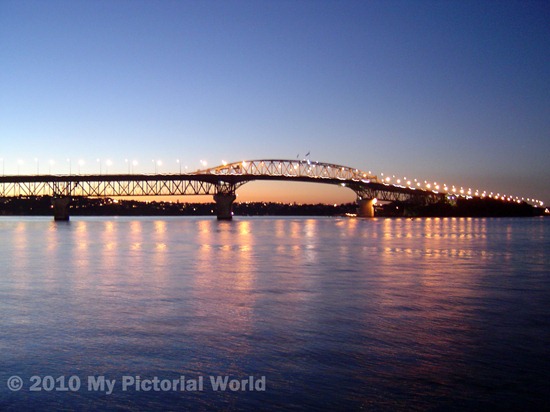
{"x": 109, "y": 239}
{"x": 160, "y": 239}
{"x": 80, "y": 233}
{"x": 136, "y": 232}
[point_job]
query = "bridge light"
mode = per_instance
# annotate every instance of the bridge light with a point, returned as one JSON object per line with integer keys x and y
{"x": 387, "y": 179}
{"x": 19, "y": 164}
{"x": 408, "y": 182}
{"x": 224, "y": 163}
{"x": 428, "y": 185}
{"x": 398, "y": 181}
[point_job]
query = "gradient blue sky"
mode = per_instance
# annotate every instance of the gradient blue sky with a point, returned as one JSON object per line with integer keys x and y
{"x": 453, "y": 91}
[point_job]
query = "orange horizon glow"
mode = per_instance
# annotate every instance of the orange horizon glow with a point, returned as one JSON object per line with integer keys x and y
{"x": 270, "y": 191}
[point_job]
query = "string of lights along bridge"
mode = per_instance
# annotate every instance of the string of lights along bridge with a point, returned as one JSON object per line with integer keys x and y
{"x": 222, "y": 182}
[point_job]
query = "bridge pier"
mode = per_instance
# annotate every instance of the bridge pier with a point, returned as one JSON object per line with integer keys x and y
{"x": 61, "y": 208}
{"x": 224, "y": 205}
{"x": 365, "y": 207}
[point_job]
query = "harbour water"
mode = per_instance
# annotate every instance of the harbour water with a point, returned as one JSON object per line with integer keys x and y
{"x": 313, "y": 313}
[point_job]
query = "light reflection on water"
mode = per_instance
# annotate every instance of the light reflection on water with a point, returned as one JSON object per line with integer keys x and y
{"x": 336, "y": 313}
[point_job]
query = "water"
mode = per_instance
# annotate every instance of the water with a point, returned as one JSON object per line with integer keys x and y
{"x": 335, "y": 313}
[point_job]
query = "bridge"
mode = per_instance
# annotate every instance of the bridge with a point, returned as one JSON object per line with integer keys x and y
{"x": 221, "y": 182}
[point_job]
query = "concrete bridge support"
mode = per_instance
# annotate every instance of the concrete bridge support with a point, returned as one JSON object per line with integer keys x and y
{"x": 61, "y": 208}
{"x": 365, "y": 207}
{"x": 224, "y": 205}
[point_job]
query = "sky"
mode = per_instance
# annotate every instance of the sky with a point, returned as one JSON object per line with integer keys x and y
{"x": 448, "y": 91}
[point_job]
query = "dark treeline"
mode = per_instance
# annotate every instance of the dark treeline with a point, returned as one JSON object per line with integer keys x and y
{"x": 473, "y": 207}
{"x": 81, "y": 206}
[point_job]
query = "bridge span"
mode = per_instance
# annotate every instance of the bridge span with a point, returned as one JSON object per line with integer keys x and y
{"x": 221, "y": 182}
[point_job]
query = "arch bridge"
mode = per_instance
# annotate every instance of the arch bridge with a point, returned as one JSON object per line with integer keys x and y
{"x": 221, "y": 182}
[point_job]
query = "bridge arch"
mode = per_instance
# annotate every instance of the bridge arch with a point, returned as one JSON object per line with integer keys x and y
{"x": 366, "y": 185}
{"x": 237, "y": 174}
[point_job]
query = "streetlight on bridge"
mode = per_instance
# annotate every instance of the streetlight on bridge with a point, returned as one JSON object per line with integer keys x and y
{"x": 157, "y": 163}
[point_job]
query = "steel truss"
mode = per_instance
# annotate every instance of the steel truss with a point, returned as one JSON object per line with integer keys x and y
{"x": 420, "y": 197}
{"x": 111, "y": 186}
